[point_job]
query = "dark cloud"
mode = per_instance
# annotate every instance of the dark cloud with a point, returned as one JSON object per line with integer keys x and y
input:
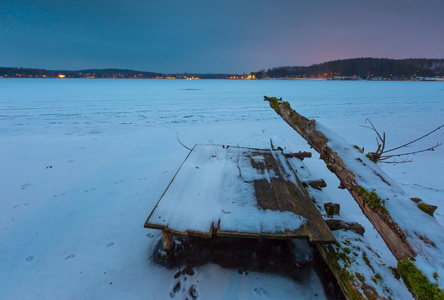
{"x": 214, "y": 36}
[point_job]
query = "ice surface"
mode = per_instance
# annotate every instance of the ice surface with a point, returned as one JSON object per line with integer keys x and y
{"x": 84, "y": 161}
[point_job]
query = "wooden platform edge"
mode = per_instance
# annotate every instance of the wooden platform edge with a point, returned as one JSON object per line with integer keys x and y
{"x": 147, "y": 224}
{"x": 289, "y": 235}
{"x": 182, "y": 233}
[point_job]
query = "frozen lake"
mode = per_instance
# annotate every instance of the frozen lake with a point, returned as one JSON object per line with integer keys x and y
{"x": 82, "y": 107}
{"x": 83, "y": 162}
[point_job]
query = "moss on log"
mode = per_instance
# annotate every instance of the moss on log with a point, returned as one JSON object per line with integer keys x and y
{"x": 417, "y": 283}
{"x": 353, "y": 285}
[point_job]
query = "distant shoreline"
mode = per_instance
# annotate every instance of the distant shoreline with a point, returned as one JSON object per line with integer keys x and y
{"x": 429, "y": 79}
{"x": 417, "y": 69}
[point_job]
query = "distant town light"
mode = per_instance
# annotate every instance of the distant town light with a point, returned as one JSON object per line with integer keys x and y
{"x": 61, "y": 76}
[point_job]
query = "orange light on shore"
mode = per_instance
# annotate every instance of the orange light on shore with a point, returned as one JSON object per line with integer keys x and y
{"x": 61, "y": 76}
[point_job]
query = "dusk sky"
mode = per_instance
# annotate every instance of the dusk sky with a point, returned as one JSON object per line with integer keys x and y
{"x": 214, "y": 36}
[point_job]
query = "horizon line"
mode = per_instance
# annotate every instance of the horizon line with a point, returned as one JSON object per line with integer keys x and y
{"x": 214, "y": 73}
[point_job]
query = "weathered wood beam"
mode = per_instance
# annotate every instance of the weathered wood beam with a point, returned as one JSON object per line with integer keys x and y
{"x": 393, "y": 236}
{"x": 299, "y": 155}
{"x": 316, "y": 184}
{"x": 338, "y": 224}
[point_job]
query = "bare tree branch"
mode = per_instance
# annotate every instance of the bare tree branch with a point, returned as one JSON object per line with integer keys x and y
{"x": 378, "y": 155}
{"x": 384, "y": 157}
{"x": 397, "y": 162}
{"x": 373, "y": 128}
{"x": 409, "y": 143}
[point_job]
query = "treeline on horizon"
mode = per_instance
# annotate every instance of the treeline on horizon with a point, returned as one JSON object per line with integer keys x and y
{"x": 100, "y": 73}
{"x": 365, "y": 68}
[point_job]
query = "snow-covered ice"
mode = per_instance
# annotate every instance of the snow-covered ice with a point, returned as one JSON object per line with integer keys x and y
{"x": 83, "y": 162}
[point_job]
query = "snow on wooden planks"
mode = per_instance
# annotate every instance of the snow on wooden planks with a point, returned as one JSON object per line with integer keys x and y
{"x": 238, "y": 192}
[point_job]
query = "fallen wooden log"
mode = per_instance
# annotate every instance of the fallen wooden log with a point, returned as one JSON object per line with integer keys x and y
{"x": 390, "y": 232}
{"x": 358, "y": 265}
{"x": 391, "y": 215}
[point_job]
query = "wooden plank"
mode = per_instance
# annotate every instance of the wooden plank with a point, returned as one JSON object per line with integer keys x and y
{"x": 264, "y": 195}
{"x": 293, "y": 197}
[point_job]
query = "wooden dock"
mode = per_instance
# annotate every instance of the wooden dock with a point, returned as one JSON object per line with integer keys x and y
{"x": 238, "y": 192}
